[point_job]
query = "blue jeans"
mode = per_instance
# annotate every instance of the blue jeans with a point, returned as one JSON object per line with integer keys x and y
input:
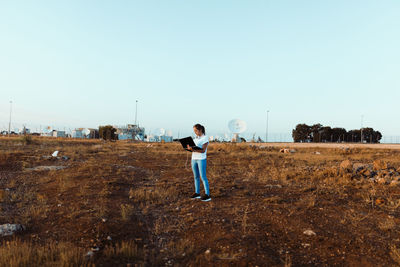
{"x": 199, "y": 168}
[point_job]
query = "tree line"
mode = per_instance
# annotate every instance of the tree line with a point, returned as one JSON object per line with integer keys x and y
{"x": 323, "y": 134}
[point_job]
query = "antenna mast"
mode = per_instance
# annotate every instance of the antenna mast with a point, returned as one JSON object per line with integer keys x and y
{"x": 9, "y": 124}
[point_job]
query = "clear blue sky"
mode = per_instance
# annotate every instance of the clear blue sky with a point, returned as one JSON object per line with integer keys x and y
{"x": 84, "y": 63}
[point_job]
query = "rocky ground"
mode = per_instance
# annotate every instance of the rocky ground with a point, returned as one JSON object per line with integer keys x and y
{"x": 127, "y": 204}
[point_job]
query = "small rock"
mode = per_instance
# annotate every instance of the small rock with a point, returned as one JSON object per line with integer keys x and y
{"x": 346, "y": 165}
{"x": 381, "y": 180}
{"x": 9, "y": 229}
{"x": 104, "y": 220}
{"x": 368, "y": 173}
{"x": 208, "y": 251}
{"x": 317, "y": 153}
{"x": 45, "y": 168}
{"x": 357, "y": 167}
{"x": 380, "y": 165}
{"x": 309, "y": 232}
{"x": 55, "y": 153}
{"x": 109, "y": 238}
{"x": 384, "y": 173}
{"x": 90, "y": 254}
{"x": 287, "y": 151}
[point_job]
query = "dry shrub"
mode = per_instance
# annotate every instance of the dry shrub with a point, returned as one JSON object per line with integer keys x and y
{"x": 330, "y": 172}
{"x": 392, "y": 204}
{"x": 126, "y": 211}
{"x": 3, "y": 195}
{"x": 288, "y": 261}
{"x": 308, "y": 201}
{"x": 387, "y": 224}
{"x": 152, "y": 196}
{"x": 354, "y": 217}
{"x": 26, "y": 140}
{"x": 273, "y": 200}
{"x": 19, "y": 253}
{"x": 41, "y": 198}
{"x": 65, "y": 182}
{"x": 127, "y": 250}
{"x": 395, "y": 253}
{"x": 100, "y": 209}
{"x": 184, "y": 247}
{"x": 106, "y": 191}
{"x": 36, "y": 211}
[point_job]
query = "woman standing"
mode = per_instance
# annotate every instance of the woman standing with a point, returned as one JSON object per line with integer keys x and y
{"x": 199, "y": 162}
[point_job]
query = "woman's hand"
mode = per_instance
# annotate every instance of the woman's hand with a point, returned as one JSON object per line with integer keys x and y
{"x": 189, "y": 148}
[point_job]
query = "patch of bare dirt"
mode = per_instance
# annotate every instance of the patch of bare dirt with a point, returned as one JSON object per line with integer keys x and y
{"x": 268, "y": 208}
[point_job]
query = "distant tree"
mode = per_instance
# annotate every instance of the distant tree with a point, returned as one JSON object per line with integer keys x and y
{"x": 315, "y": 133}
{"x": 326, "y": 134}
{"x": 371, "y": 136}
{"x": 318, "y": 133}
{"x": 302, "y": 133}
{"x": 107, "y": 132}
{"x": 377, "y": 137}
{"x": 353, "y": 136}
{"x": 338, "y": 134}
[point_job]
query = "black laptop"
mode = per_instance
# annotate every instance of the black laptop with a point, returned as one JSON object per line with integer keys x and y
{"x": 189, "y": 141}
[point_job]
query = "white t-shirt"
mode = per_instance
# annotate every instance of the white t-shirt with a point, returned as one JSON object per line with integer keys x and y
{"x": 200, "y": 141}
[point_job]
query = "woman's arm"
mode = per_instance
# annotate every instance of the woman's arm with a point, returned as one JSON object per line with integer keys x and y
{"x": 202, "y": 150}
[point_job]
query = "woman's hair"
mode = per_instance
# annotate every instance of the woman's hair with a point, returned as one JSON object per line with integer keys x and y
{"x": 200, "y": 127}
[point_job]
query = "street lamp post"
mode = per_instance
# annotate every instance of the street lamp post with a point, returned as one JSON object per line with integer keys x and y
{"x": 266, "y": 129}
{"x": 9, "y": 123}
{"x": 136, "y": 113}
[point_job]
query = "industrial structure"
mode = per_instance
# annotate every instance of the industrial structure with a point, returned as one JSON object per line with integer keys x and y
{"x": 130, "y": 132}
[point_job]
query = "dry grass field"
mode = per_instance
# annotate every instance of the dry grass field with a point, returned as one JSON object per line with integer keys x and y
{"x": 127, "y": 204}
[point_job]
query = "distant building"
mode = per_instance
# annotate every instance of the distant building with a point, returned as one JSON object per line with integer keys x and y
{"x": 24, "y": 131}
{"x": 166, "y": 139}
{"x": 77, "y": 133}
{"x": 162, "y": 138}
{"x": 130, "y": 132}
{"x": 58, "y": 133}
{"x": 87, "y": 133}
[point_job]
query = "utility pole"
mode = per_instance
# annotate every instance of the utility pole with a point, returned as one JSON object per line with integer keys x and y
{"x": 136, "y": 113}
{"x": 266, "y": 129}
{"x": 9, "y": 124}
